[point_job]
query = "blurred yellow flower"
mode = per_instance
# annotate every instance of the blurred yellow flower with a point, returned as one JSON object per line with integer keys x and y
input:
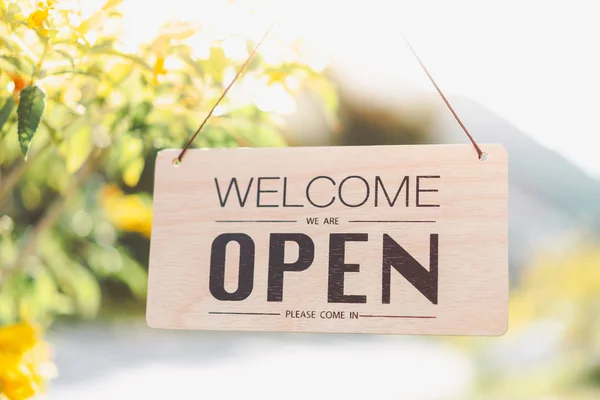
{"x": 46, "y": 4}
{"x": 36, "y": 19}
{"x": 159, "y": 68}
{"x": 127, "y": 212}
{"x": 25, "y": 362}
{"x": 276, "y": 77}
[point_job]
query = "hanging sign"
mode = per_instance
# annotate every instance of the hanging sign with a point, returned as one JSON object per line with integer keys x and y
{"x": 378, "y": 239}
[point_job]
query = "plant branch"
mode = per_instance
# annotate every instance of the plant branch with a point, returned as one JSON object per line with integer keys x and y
{"x": 17, "y": 173}
{"x": 53, "y": 213}
{"x": 38, "y": 67}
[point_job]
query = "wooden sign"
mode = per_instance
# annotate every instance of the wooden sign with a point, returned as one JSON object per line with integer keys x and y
{"x": 381, "y": 239}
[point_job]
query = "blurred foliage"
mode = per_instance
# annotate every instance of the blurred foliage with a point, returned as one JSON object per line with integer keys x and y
{"x": 75, "y": 216}
{"x": 368, "y": 121}
{"x": 552, "y": 347}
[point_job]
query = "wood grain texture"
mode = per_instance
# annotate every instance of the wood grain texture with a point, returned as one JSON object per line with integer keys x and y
{"x": 459, "y": 223}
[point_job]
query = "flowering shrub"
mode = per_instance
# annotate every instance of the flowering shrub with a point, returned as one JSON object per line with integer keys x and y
{"x": 83, "y": 112}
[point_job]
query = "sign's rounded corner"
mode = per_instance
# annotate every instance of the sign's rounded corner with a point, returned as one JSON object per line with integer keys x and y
{"x": 152, "y": 323}
{"x": 502, "y": 329}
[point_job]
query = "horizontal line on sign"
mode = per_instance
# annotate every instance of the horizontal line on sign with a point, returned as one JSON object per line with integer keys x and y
{"x": 256, "y": 220}
{"x": 395, "y": 221}
{"x": 397, "y": 316}
{"x": 240, "y": 313}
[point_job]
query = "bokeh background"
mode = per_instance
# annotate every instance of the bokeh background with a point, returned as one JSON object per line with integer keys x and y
{"x": 124, "y": 79}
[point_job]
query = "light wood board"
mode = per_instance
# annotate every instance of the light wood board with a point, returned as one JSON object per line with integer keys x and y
{"x": 268, "y": 266}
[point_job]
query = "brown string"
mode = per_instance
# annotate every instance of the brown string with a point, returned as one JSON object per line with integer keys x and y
{"x": 464, "y": 128}
{"x": 251, "y": 55}
{"x": 210, "y": 113}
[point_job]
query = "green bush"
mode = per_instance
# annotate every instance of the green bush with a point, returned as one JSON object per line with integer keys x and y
{"x": 81, "y": 121}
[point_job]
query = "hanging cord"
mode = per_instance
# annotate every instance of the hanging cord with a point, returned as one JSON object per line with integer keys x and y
{"x": 179, "y": 158}
{"x": 480, "y": 154}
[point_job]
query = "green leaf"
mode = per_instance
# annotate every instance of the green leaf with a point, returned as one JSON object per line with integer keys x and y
{"x": 6, "y": 110}
{"x": 11, "y": 63}
{"x": 84, "y": 288}
{"x": 133, "y": 172}
{"x": 216, "y": 63}
{"x": 114, "y": 52}
{"x": 17, "y": 66}
{"x": 77, "y": 145}
{"x": 31, "y": 108}
{"x": 66, "y": 55}
{"x": 78, "y": 148}
{"x": 22, "y": 65}
{"x": 13, "y": 14}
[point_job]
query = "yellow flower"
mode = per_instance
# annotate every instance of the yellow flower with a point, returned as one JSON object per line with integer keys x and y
{"x": 159, "y": 68}
{"x": 24, "y": 362}
{"x": 276, "y": 77}
{"x": 36, "y": 19}
{"x": 45, "y": 4}
{"x": 126, "y": 212}
{"x": 17, "y": 338}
